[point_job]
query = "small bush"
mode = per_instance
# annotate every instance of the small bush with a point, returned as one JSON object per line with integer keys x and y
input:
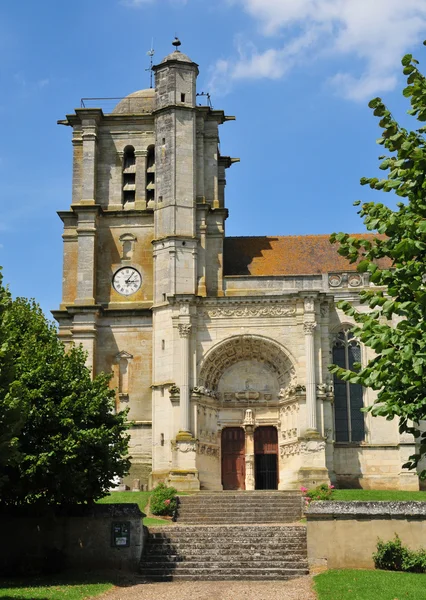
{"x": 163, "y": 500}
{"x": 390, "y": 555}
{"x": 321, "y": 492}
{"x": 393, "y": 556}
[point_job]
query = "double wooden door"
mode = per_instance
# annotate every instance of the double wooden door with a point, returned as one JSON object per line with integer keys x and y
{"x": 233, "y": 459}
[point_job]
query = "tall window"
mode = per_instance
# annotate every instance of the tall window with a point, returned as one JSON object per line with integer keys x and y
{"x": 129, "y": 175}
{"x": 150, "y": 174}
{"x": 348, "y": 397}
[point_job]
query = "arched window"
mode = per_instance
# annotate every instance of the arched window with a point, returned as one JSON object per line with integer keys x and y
{"x": 348, "y": 397}
{"x": 150, "y": 175}
{"x": 129, "y": 175}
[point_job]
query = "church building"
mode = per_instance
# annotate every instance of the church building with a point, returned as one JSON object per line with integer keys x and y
{"x": 219, "y": 346}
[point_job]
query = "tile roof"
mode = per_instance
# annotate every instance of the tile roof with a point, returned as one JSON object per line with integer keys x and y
{"x": 284, "y": 255}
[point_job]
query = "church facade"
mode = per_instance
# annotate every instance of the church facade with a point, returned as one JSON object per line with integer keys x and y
{"x": 218, "y": 346}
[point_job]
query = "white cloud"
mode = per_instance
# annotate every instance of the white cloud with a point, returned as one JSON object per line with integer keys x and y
{"x": 376, "y": 33}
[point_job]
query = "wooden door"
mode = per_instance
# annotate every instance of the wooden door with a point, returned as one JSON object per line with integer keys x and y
{"x": 266, "y": 458}
{"x": 233, "y": 459}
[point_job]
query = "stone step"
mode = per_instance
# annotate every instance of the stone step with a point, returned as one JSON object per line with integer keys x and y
{"x": 247, "y": 529}
{"x": 207, "y": 577}
{"x": 270, "y": 558}
{"x": 242, "y": 573}
{"x": 249, "y": 552}
{"x": 236, "y": 502}
{"x": 213, "y": 565}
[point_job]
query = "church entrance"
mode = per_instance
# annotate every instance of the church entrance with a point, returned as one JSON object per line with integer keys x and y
{"x": 233, "y": 459}
{"x": 266, "y": 458}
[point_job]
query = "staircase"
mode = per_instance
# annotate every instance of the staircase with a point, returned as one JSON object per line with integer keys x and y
{"x": 232, "y": 536}
{"x": 240, "y": 508}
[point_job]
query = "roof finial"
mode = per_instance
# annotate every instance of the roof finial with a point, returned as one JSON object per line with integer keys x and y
{"x": 176, "y": 43}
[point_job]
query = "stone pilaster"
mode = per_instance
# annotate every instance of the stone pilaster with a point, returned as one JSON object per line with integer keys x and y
{"x": 249, "y": 457}
{"x": 311, "y": 409}
{"x": 90, "y": 118}
{"x": 184, "y": 334}
{"x": 86, "y": 263}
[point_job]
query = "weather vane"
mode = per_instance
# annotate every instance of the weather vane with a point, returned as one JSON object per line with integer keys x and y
{"x": 150, "y": 53}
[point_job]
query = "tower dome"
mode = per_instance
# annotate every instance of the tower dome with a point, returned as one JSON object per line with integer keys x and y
{"x": 138, "y": 102}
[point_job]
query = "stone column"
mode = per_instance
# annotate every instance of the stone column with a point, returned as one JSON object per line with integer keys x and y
{"x": 184, "y": 333}
{"x": 311, "y": 409}
{"x": 140, "y": 200}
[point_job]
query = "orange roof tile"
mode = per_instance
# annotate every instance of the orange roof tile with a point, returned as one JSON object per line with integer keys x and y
{"x": 284, "y": 255}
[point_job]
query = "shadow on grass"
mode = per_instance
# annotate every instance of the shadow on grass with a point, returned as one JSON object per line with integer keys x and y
{"x": 117, "y": 578}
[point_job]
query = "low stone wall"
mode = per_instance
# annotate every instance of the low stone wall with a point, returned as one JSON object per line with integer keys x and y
{"x": 105, "y": 536}
{"x": 343, "y": 535}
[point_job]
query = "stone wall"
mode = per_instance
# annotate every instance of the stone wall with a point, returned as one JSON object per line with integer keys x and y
{"x": 343, "y": 535}
{"x": 83, "y": 536}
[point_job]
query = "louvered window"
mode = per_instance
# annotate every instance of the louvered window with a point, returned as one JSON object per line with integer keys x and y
{"x": 348, "y": 397}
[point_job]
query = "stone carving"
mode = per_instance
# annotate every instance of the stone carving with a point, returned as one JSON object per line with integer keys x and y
{"x": 184, "y": 308}
{"x": 335, "y": 280}
{"x": 309, "y": 327}
{"x": 289, "y": 419}
{"x": 247, "y": 395}
{"x": 328, "y": 433}
{"x": 248, "y": 417}
{"x": 311, "y": 446}
{"x": 322, "y": 388}
{"x": 289, "y": 449}
{"x": 355, "y": 280}
{"x": 174, "y": 390}
{"x": 185, "y": 446}
{"x": 246, "y": 347}
{"x": 309, "y": 305}
{"x": 345, "y": 279}
{"x": 250, "y": 481}
{"x": 184, "y": 329}
{"x": 208, "y": 450}
{"x": 203, "y": 391}
{"x": 251, "y": 311}
{"x": 325, "y": 309}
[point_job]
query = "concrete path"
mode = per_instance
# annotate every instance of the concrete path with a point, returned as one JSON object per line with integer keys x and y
{"x": 296, "y": 589}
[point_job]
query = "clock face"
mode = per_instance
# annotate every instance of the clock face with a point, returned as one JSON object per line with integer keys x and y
{"x": 127, "y": 281}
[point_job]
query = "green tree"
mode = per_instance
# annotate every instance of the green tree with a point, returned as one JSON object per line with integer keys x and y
{"x": 12, "y": 408}
{"x": 395, "y": 327}
{"x": 71, "y": 444}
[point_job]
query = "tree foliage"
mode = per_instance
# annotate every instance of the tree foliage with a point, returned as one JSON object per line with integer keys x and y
{"x": 68, "y": 442}
{"x": 395, "y": 326}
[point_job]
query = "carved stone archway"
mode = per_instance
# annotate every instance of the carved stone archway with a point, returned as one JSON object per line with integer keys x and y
{"x": 246, "y": 347}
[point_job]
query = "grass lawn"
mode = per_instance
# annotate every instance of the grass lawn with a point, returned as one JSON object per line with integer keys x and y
{"x": 378, "y": 495}
{"x": 370, "y": 585}
{"x": 52, "y": 588}
{"x": 139, "y": 498}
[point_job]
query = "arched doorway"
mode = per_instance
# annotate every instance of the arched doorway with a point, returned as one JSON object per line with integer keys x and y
{"x": 266, "y": 458}
{"x": 233, "y": 459}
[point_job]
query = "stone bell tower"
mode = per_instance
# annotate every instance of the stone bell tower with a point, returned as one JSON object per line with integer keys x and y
{"x": 175, "y": 244}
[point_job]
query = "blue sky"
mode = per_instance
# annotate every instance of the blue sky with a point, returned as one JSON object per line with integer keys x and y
{"x": 296, "y": 73}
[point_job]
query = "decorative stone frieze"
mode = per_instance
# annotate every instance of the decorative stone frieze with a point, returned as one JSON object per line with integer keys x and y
{"x": 184, "y": 446}
{"x": 351, "y": 280}
{"x": 250, "y": 311}
{"x": 287, "y": 450}
{"x": 311, "y": 446}
{"x": 208, "y": 450}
